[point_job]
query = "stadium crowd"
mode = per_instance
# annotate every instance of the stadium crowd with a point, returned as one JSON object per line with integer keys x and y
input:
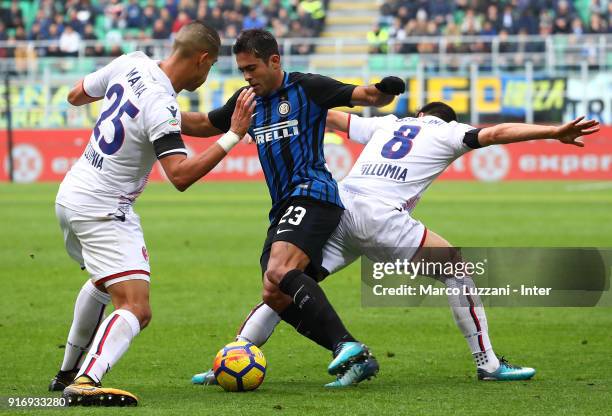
{"x": 404, "y": 26}
{"x": 404, "y": 19}
{"x": 107, "y": 23}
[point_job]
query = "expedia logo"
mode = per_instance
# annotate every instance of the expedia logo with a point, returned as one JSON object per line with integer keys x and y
{"x": 284, "y": 130}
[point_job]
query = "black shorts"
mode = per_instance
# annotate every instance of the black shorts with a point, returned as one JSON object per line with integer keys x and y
{"x": 307, "y": 223}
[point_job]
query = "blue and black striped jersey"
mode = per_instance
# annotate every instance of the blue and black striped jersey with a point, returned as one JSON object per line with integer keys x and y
{"x": 288, "y": 127}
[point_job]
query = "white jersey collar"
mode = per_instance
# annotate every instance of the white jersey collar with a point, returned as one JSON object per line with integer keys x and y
{"x": 156, "y": 72}
{"x": 163, "y": 78}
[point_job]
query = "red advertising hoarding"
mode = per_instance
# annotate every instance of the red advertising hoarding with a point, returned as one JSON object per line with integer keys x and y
{"x": 46, "y": 155}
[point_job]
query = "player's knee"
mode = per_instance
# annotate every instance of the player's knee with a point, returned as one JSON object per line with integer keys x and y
{"x": 142, "y": 312}
{"x": 271, "y": 295}
{"x": 269, "y": 290}
{"x": 276, "y": 300}
{"x": 275, "y": 274}
{"x": 267, "y": 296}
{"x": 145, "y": 317}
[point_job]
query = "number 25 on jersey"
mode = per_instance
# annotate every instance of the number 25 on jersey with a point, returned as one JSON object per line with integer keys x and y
{"x": 110, "y": 147}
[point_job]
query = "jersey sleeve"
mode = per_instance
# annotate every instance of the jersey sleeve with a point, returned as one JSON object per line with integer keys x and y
{"x": 221, "y": 117}
{"x": 327, "y": 92}
{"x": 169, "y": 144}
{"x": 361, "y": 129}
{"x": 459, "y": 132}
{"x": 95, "y": 84}
{"x": 162, "y": 117}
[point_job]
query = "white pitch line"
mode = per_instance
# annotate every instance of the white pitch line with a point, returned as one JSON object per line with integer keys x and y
{"x": 597, "y": 186}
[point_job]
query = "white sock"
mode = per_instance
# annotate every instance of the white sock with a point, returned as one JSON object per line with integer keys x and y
{"x": 470, "y": 317}
{"x": 258, "y": 325}
{"x": 111, "y": 342}
{"x": 88, "y": 314}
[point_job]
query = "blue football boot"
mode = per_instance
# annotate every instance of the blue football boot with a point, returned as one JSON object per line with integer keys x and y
{"x": 207, "y": 378}
{"x": 506, "y": 372}
{"x": 356, "y": 373}
{"x": 345, "y": 354}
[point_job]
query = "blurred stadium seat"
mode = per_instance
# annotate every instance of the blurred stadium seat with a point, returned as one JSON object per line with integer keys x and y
{"x": 513, "y": 59}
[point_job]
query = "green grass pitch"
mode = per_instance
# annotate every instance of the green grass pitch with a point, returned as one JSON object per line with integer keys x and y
{"x": 204, "y": 247}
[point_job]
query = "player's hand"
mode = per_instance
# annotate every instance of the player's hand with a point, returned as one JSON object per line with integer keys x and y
{"x": 391, "y": 86}
{"x": 570, "y": 132}
{"x": 241, "y": 118}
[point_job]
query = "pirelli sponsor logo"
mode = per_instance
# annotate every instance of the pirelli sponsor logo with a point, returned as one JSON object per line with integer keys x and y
{"x": 284, "y": 130}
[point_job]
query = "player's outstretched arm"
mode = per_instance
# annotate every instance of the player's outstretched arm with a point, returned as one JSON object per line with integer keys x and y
{"x": 517, "y": 132}
{"x": 197, "y": 125}
{"x": 183, "y": 171}
{"x": 379, "y": 94}
{"x": 358, "y": 129}
{"x": 338, "y": 120}
{"x": 77, "y": 95}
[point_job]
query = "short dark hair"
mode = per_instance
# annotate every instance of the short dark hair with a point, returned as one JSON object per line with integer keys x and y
{"x": 440, "y": 110}
{"x": 195, "y": 37}
{"x": 258, "y": 42}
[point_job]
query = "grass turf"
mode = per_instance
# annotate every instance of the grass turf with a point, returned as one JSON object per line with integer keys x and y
{"x": 204, "y": 248}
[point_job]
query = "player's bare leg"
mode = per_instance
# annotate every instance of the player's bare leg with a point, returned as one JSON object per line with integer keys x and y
{"x": 259, "y": 325}
{"x": 263, "y": 318}
{"x": 286, "y": 271}
{"x": 285, "y": 280}
{"x": 88, "y": 315}
{"x": 470, "y": 316}
{"x": 132, "y": 313}
{"x": 273, "y": 297}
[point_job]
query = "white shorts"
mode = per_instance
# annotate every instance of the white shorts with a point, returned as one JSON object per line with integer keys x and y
{"x": 371, "y": 228}
{"x": 111, "y": 250}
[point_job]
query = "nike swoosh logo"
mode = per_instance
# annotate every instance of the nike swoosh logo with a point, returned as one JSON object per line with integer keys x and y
{"x": 282, "y": 231}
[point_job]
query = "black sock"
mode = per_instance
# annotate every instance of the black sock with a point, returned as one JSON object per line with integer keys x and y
{"x": 315, "y": 309}
{"x": 293, "y": 317}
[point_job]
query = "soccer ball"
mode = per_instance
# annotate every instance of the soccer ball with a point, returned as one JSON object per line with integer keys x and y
{"x": 240, "y": 366}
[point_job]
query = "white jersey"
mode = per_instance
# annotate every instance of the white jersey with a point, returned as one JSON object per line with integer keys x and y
{"x": 139, "y": 107}
{"x": 402, "y": 156}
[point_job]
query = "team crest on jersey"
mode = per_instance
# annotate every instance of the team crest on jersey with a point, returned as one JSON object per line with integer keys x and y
{"x": 284, "y": 108}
